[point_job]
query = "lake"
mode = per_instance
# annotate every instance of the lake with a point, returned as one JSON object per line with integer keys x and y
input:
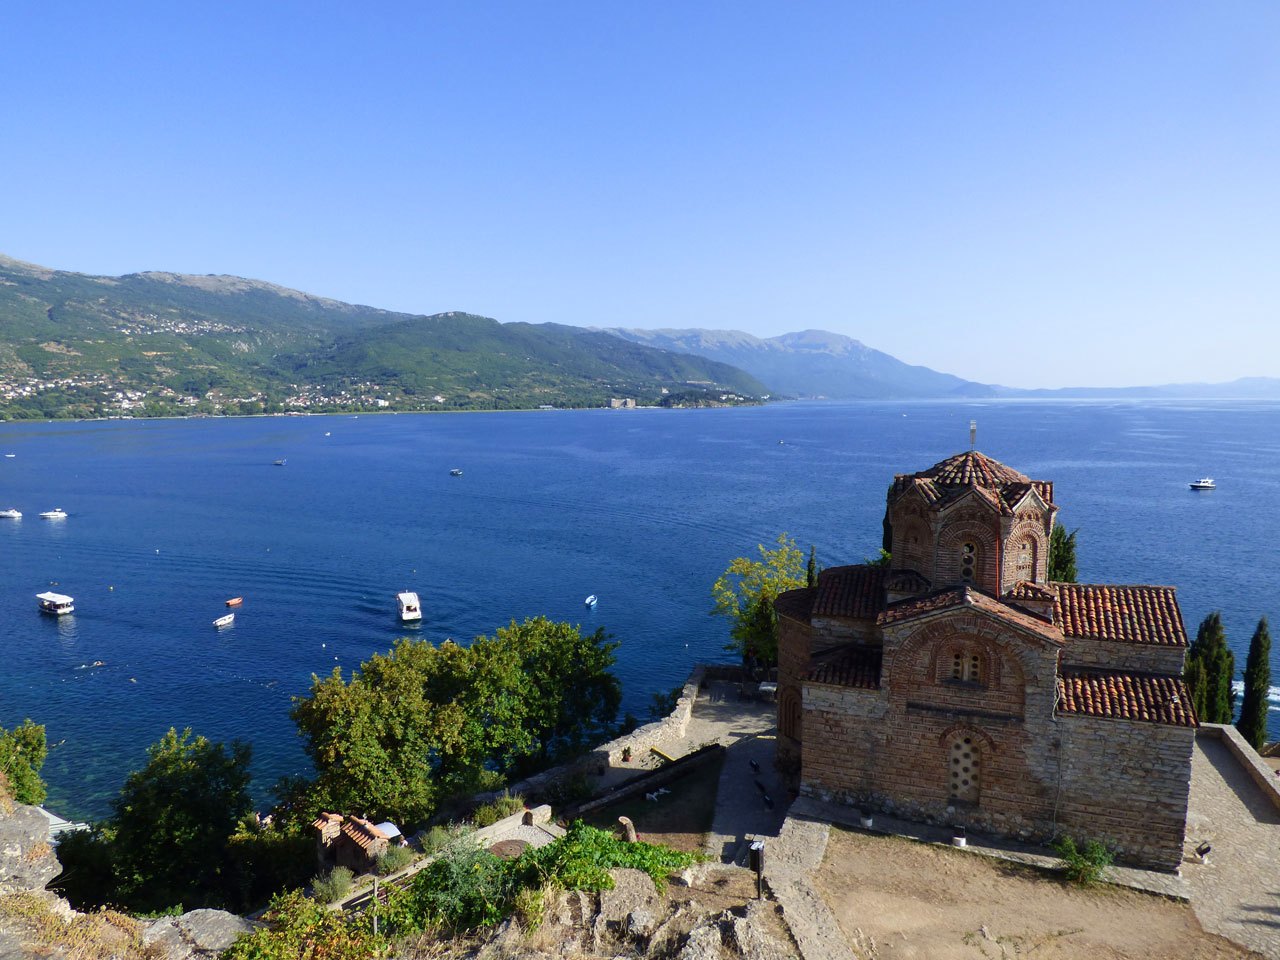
{"x": 167, "y": 519}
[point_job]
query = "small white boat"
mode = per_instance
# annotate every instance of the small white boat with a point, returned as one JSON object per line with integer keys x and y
{"x": 11, "y": 514}
{"x": 57, "y": 513}
{"x": 10, "y": 456}
{"x": 1204, "y": 483}
{"x": 410, "y": 608}
{"x": 455, "y": 472}
{"x": 281, "y": 463}
{"x": 55, "y": 603}
{"x": 226, "y": 621}
{"x": 591, "y": 600}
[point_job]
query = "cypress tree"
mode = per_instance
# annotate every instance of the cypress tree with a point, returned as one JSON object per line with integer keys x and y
{"x": 1257, "y": 683}
{"x": 1062, "y": 554}
{"x": 1210, "y": 669}
{"x": 811, "y": 575}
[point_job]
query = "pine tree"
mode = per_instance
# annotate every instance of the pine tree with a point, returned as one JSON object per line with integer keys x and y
{"x": 1062, "y": 554}
{"x": 811, "y": 575}
{"x": 1257, "y": 682}
{"x": 1210, "y": 669}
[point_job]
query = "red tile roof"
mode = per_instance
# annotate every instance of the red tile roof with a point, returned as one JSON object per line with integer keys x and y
{"x": 852, "y": 666}
{"x": 795, "y": 604}
{"x": 1138, "y": 614}
{"x": 1123, "y": 696}
{"x": 1001, "y": 486}
{"x": 362, "y": 832}
{"x": 1026, "y": 590}
{"x": 906, "y": 581}
{"x": 855, "y": 591}
{"x": 967, "y": 597}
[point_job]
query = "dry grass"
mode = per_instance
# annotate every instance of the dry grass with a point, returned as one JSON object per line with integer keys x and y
{"x": 37, "y": 851}
{"x": 680, "y": 820}
{"x": 92, "y": 936}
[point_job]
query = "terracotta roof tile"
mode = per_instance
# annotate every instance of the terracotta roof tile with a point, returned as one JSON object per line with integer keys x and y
{"x": 1001, "y": 486}
{"x": 362, "y": 832}
{"x": 906, "y": 581}
{"x": 967, "y": 597}
{"x": 795, "y": 604}
{"x": 855, "y": 591}
{"x": 1026, "y": 590}
{"x": 1138, "y": 614}
{"x": 852, "y": 666}
{"x": 1124, "y": 696}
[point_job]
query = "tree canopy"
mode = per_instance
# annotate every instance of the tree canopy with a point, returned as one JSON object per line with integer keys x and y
{"x": 422, "y": 722}
{"x": 22, "y": 754}
{"x": 1257, "y": 687}
{"x": 1062, "y": 554}
{"x": 1210, "y": 668}
{"x": 745, "y": 593}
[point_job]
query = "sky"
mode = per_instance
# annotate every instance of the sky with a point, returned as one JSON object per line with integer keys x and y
{"x": 1035, "y": 194}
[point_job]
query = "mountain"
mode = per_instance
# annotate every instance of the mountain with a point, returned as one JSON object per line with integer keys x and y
{"x": 73, "y": 344}
{"x": 812, "y": 363}
{"x": 1262, "y": 388}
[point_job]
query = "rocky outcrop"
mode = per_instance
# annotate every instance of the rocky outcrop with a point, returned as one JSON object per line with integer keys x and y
{"x": 27, "y": 861}
{"x": 195, "y": 935}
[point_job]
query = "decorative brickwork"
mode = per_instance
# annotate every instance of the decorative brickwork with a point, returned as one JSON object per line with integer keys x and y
{"x": 963, "y": 688}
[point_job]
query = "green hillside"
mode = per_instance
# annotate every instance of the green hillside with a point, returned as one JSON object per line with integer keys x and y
{"x": 162, "y": 343}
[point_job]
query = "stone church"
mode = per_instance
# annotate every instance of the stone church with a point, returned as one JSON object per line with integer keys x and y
{"x": 961, "y": 687}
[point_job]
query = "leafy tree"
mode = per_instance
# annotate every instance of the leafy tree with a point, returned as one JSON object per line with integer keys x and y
{"x": 167, "y": 841}
{"x": 1257, "y": 683}
{"x": 22, "y": 754}
{"x": 746, "y": 585}
{"x": 1062, "y": 554}
{"x": 811, "y": 575}
{"x": 1210, "y": 669}
{"x": 422, "y": 722}
{"x": 883, "y": 559}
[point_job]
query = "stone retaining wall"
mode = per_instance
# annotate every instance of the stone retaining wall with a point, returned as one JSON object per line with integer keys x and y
{"x": 1246, "y": 756}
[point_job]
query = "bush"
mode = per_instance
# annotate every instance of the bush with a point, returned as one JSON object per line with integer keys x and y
{"x": 1083, "y": 865}
{"x": 331, "y": 886}
{"x": 396, "y": 858}
{"x": 464, "y": 888}
{"x": 299, "y": 927}
{"x": 568, "y": 790}
{"x": 502, "y": 806}
{"x": 439, "y": 837}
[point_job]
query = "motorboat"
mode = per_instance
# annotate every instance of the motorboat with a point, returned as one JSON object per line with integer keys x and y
{"x": 591, "y": 600}
{"x": 235, "y": 601}
{"x": 280, "y": 463}
{"x": 1204, "y": 483}
{"x": 410, "y": 608}
{"x": 455, "y": 472}
{"x": 226, "y": 621}
{"x": 11, "y": 514}
{"x": 55, "y": 603}
{"x": 57, "y": 513}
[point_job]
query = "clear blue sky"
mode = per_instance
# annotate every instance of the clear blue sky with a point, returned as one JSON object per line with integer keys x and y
{"x": 1030, "y": 193}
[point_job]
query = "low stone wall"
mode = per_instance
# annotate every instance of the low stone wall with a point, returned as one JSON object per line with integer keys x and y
{"x": 1246, "y": 756}
{"x": 648, "y": 782}
{"x": 670, "y": 727}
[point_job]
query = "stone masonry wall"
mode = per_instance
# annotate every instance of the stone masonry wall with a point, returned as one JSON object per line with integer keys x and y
{"x": 1128, "y": 785}
{"x": 1116, "y": 655}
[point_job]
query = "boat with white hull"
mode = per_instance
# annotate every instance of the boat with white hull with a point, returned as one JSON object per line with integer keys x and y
{"x": 55, "y": 603}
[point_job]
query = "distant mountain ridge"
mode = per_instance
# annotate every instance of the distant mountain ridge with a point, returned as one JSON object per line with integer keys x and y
{"x": 812, "y": 363}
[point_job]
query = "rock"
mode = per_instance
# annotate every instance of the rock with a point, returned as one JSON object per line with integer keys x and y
{"x": 196, "y": 934}
{"x": 27, "y": 861}
{"x": 504, "y": 942}
{"x": 632, "y": 889}
{"x": 640, "y": 924}
{"x": 751, "y": 938}
{"x": 704, "y": 942}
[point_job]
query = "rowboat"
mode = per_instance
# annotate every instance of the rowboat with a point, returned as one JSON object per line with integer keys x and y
{"x": 226, "y": 621}
{"x": 235, "y": 601}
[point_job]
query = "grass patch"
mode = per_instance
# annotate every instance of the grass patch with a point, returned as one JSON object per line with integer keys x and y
{"x": 92, "y": 936}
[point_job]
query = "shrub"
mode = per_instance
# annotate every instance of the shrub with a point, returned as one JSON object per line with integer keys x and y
{"x": 464, "y": 888}
{"x": 501, "y": 806}
{"x": 396, "y": 858}
{"x": 583, "y": 857}
{"x": 439, "y": 837}
{"x": 1082, "y": 865}
{"x": 300, "y": 927}
{"x": 331, "y": 886}
{"x": 568, "y": 790}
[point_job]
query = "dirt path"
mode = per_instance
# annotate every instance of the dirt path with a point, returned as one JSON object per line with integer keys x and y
{"x": 896, "y": 899}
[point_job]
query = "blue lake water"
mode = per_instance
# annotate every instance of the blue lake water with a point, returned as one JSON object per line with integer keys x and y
{"x": 643, "y": 508}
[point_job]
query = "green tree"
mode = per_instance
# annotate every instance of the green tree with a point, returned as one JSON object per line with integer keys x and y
{"x": 422, "y": 722}
{"x": 746, "y": 585}
{"x": 1062, "y": 554}
{"x": 1210, "y": 668}
{"x": 811, "y": 574}
{"x": 22, "y": 754}
{"x": 1257, "y": 687}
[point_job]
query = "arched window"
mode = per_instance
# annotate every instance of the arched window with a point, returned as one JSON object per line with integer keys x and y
{"x": 1025, "y": 561}
{"x": 966, "y": 667}
{"x": 968, "y": 561}
{"x": 963, "y": 771}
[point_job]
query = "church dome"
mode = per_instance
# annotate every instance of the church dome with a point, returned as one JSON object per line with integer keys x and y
{"x": 949, "y": 478}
